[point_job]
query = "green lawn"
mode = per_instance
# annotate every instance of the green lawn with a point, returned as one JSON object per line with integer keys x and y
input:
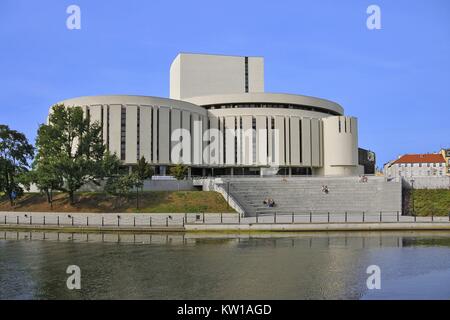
{"x": 427, "y": 202}
{"x": 149, "y": 202}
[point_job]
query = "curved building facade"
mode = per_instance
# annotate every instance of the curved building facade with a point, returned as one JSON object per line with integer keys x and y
{"x": 219, "y": 121}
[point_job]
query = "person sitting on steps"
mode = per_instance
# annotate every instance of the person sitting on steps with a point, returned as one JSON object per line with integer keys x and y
{"x": 269, "y": 202}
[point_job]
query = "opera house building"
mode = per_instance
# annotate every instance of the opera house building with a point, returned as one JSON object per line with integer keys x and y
{"x": 220, "y": 121}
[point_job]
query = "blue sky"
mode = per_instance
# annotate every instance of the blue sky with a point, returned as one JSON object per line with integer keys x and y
{"x": 395, "y": 80}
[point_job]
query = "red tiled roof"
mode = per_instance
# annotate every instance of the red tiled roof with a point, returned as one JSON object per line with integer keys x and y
{"x": 421, "y": 158}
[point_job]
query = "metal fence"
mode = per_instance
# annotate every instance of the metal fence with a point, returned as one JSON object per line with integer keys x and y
{"x": 180, "y": 220}
{"x": 73, "y": 220}
{"x": 344, "y": 217}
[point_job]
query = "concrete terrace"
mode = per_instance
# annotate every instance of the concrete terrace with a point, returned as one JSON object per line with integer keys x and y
{"x": 304, "y": 194}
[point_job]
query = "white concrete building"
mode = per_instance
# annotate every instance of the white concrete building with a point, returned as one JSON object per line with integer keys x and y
{"x": 411, "y": 166}
{"x": 235, "y": 127}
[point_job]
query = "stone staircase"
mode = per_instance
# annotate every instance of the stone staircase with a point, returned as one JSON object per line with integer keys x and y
{"x": 304, "y": 194}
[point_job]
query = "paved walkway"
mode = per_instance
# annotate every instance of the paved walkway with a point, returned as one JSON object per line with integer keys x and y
{"x": 144, "y": 222}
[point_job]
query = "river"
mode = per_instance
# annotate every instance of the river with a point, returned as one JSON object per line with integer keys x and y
{"x": 413, "y": 265}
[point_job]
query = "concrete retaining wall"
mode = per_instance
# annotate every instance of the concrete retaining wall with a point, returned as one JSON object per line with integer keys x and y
{"x": 427, "y": 182}
{"x": 387, "y": 226}
{"x": 214, "y": 222}
{"x": 149, "y": 185}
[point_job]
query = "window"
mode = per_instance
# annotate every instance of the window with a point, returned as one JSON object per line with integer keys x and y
{"x": 300, "y": 140}
{"x": 224, "y": 138}
{"x": 267, "y": 137}
{"x": 107, "y": 128}
{"x": 151, "y": 135}
{"x": 270, "y": 105}
{"x": 254, "y": 139}
{"x": 102, "y": 122}
{"x": 246, "y": 74}
{"x": 274, "y": 143}
{"x": 138, "y": 149}
{"x": 123, "y": 121}
{"x": 157, "y": 132}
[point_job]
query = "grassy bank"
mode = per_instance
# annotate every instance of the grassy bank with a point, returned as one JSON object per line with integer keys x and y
{"x": 149, "y": 202}
{"x": 427, "y": 202}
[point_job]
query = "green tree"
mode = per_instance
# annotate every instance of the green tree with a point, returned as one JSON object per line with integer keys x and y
{"x": 179, "y": 171}
{"x": 46, "y": 179}
{"x": 143, "y": 171}
{"x": 15, "y": 152}
{"x": 71, "y": 152}
{"x": 121, "y": 186}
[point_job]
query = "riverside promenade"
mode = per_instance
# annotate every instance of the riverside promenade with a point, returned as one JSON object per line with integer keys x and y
{"x": 219, "y": 222}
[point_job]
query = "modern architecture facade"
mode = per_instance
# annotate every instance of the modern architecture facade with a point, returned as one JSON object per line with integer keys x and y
{"x": 234, "y": 127}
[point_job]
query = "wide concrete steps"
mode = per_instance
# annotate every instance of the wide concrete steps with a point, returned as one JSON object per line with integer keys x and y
{"x": 296, "y": 195}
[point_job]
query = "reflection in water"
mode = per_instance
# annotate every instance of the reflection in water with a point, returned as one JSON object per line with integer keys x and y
{"x": 224, "y": 266}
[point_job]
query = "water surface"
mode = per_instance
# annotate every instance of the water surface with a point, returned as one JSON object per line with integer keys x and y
{"x": 193, "y": 266}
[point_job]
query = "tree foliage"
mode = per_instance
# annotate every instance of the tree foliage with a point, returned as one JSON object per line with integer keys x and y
{"x": 71, "y": 152}
{"x": 15, "y": 152}
{"x": 179, "y": 171}
{"x": 143, "y": 169}
{"x": 121, "y": 186}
